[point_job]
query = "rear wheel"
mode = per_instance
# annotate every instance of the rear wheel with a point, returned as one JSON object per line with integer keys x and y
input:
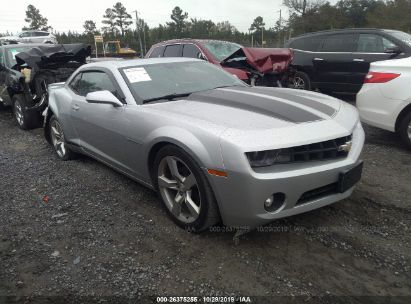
{"x": 25, "y": 120}
{"x": 405, "y": 130}
{"x": 184, "y": 189}
{"x": 58, "y": 141}
{"x": 300, "y": 81}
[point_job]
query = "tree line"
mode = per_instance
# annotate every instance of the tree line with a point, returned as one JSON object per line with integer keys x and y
{"x": 304, "y": 16}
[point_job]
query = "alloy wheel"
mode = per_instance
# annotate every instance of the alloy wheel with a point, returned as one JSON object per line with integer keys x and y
{"x": 57, "y": 138}
{"x": 179, "y": 189}
{"x": 298, "y": 83}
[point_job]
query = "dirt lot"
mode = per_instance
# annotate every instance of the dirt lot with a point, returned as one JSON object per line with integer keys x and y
{"x": 101, "y": 234}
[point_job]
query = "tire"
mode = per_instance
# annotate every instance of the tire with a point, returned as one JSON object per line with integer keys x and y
{"x": 405, "y": 130}
{"x": 58, "y": 141}
{"x": 300, "y": 81}
{"x": 197, "y": 209}
{"x": 25, "y": 120}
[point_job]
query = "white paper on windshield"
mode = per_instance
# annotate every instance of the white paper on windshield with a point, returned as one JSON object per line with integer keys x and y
{"x": 137, "y": 75}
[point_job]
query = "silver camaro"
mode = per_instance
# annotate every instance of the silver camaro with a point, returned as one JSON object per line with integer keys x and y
{"x": 214, "y": 148}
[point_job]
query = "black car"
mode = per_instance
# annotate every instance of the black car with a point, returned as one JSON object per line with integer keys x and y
{"x": 338, "y": 60}
{"x": 27, "y": 69}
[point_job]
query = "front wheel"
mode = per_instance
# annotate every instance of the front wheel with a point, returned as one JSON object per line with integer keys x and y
{"x": 25, "y": 120}
{"x": 300, "y": 81}
{"x": 58, "y": 141}
{"x": 405, "y": 130}
{"x": 184, "y": 190}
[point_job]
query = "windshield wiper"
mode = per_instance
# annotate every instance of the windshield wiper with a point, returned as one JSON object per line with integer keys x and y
{"x": 167, "y": 97}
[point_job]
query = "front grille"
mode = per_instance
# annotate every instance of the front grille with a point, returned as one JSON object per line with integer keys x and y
{"x": 320, "y": 151}
{"x": 318, "y": 193}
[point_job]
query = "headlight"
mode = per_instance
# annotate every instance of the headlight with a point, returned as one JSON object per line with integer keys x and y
{"x": 269, "y": 158}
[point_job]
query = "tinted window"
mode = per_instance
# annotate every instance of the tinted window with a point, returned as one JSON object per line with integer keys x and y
{"x": 173, "y": 50}
{"x": 191, "y": 51}
{"x": 371, "y": 43}
{"x": 338, "y": 43}
{"x": 157, "y": 52}
{"x": 40, "y": 34}
{"x": 94, "y": 81}
{"x": 307, "y": 44}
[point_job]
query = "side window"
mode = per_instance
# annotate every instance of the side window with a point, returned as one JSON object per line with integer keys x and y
{"x": 24, "y": 35}
{"x": 372, "y": 43}
{"x": 307, "y": 44}
{"x": 157, "y": 52}
{"x": 338, "y": 43}
{"x": 173, "y": 50}
{"x": 95, "y": 81}
{"x": 74, "y": 83}
{"x": 191, "y": 51}
{"x": 1, "y": 57}
{"x": 40, "y": 34}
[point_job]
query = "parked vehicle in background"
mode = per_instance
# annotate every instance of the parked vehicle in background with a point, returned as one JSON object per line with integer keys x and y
{"x": 385, "y": 98}
{"x": 255, "y": 66}
{"x": 27, "y": 69}
{"x": 32, "y": 37}
{"x": 338, "y": 60}
{"x": 210, "y": 144}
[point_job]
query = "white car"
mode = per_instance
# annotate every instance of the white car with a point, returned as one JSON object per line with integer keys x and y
{"x": 32, "y": 37}
{"x": 385, "y": 98}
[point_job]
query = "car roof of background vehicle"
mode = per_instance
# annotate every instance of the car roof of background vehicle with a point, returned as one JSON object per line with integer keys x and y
{"x": 138, "y": 62}
{"x": 341, "y": 31}
{"x": 182, "y": 40}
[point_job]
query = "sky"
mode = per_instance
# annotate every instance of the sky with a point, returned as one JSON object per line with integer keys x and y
{"x": 70, "y": 15}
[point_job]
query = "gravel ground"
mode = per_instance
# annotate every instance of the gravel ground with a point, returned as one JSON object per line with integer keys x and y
{"x": 78, "y": 228}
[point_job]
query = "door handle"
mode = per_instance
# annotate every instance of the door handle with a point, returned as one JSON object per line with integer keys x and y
{"x": 358, "y": 60}
{"x": 318, "y": 59}
{"x": 75, "y": 107}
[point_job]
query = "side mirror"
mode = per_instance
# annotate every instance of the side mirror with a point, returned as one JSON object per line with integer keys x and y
{"x": 103, "y": 97}
{"x": 393, "y": 50}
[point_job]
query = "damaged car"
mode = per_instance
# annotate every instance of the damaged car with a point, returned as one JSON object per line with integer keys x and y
{"x": 27, "y": 69}
{"x": 255, "y": 66}
{"x": 215, "y": 148}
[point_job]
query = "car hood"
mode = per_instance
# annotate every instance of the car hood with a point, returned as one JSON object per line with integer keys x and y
{"x": 257, "y": 115}
{"x": 263, "y": 59}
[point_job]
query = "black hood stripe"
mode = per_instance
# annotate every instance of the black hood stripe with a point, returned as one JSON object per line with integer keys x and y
{"x": 255, "y": 103}
{"x": 326, "y": 109}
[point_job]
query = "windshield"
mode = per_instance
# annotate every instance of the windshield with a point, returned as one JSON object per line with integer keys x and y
{"x": 157, "y": 80}
{"x": 12, "y": 52}
{"x": 404, "y": 37}
{"x": 221, "y": 50}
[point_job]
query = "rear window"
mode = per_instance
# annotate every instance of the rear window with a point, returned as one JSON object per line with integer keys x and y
{"x": 157, "y": 52}
{"x": 173, "y": 51}
{"x": 338, "y": 43}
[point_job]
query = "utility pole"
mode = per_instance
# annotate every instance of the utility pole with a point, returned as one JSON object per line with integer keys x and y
{"x": 280, "y": 32}
{"x": 139, "y": 36}
{"x": 144, "y": 36}
{"x": 262, "y": 36}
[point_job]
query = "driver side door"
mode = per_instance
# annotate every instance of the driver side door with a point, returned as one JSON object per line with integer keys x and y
{"x": 99, "y": 126}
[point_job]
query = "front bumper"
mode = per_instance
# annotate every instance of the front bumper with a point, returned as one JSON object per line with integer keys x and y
{"x": 241, "y": 195}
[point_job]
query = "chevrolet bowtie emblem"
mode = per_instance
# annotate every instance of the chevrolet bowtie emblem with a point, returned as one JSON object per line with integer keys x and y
{"x": 345, "y": 147}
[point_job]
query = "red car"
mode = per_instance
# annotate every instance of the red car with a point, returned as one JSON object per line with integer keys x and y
{"x": 255, "y": 66}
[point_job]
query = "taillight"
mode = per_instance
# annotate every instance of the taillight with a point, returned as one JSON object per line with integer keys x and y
{"x": 375, "y": 77}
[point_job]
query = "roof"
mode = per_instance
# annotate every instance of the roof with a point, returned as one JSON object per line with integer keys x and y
{"x": 193, "y": 39}
{"x": 341, "y": 30}
{"x": 139, "y": 62}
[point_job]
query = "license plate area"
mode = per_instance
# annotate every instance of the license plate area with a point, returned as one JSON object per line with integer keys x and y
{"x": 350, "y": 177}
